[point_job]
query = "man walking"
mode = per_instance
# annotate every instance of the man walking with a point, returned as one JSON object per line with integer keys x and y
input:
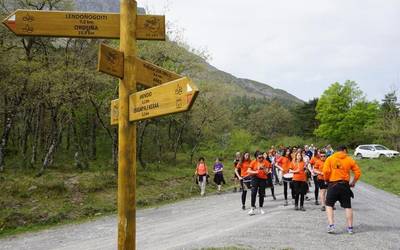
{"x": 337, "y": 172}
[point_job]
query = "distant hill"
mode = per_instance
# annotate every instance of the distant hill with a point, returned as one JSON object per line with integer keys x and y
{"x": 202, "y": 71}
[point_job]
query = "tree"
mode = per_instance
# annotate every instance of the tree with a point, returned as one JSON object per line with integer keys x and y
{"x": 344, "y": 113}
{"x": 304, "y": 118}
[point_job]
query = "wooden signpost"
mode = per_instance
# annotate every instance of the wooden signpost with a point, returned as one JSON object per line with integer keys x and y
{"x": 81, "y": 24}
{"x": 172, "y": 93}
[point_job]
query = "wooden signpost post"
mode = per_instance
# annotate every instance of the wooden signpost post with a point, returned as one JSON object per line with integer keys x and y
{"x": 168, "y": 93}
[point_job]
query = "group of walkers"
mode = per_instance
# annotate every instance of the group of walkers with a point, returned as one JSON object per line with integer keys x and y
{"x": 296, "y": 168}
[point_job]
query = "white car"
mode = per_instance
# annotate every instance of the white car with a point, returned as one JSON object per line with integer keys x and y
{"x": 374, "y": 151}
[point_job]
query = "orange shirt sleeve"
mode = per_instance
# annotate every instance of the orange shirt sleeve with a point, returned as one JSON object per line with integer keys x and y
{"x": 356, "y": 170}
{"x": 327, "y": 169}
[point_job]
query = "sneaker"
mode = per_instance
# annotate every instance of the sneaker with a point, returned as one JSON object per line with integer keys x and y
{"x": 296, "y": 208}
{"x": 251, "y": 212}
{"x": 350, "y": 230}
{"x": 307, "y": 198}
{"x": 243, "y": 207}
{"x": 316, "y": 203}
{"x": 302, "y": 209}
{"x": 331, "y": 229}
{"x": 323, "y": 208}
{"x": 286, "y": 203}
{"x": 261, "y": 211}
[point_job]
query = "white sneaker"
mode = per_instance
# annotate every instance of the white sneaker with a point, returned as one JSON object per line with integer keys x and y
{"x": 262, "y": 211}
{"x": 251, "y": 212}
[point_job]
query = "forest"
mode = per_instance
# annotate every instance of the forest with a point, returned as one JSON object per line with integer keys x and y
{"x": 53, "y": 101}
{"x": 55, "y": 111}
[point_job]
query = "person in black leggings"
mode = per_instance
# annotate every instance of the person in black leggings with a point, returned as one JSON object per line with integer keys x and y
{"x": 259, "y": 169}
{"x": 243, "y": 176}
{"x": 298, "y": 168}
{"x": 270, "y": 183}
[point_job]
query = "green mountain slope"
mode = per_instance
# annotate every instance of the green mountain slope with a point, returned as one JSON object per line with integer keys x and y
{"x": 196, "y": 67}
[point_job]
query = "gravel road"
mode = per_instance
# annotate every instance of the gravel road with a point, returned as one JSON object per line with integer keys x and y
{"x": 218, "y": 221}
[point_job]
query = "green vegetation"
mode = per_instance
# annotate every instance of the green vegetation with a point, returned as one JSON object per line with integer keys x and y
{"x": 382, "y": 173}
{"x": 65, "y": 195}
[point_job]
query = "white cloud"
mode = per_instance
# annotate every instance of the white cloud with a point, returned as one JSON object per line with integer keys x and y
{"x": 299, "y": 46}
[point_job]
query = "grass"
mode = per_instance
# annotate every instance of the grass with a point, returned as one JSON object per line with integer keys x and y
{"x": 382, "y": 173}
{"x": 66, "y": 195}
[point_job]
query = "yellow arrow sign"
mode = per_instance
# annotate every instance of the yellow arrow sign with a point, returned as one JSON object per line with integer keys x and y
{"x": 173, "y": 97}
{"x": 111, "y": 61}
{"x": 81, "y": 24}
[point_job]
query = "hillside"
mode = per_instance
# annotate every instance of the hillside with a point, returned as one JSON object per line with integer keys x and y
{"x": 204, "y": 72}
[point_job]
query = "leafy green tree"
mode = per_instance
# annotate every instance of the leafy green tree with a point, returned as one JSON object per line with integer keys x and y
{"x": 344, "y": 113}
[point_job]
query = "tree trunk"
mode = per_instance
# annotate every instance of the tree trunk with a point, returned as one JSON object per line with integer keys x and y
{"x": 27, "y": 130}
{"x": 178, "y": 138}
{"x": 49, "y": 156}
{"x": 36, "y": 132}
{"x": 93, "y": 138}
{"x": 4, "y": 140}
{"x": 115, "y": 150}
{"x": 142, "y": 130}
{"x": 198, "y": 138}
{"x": 158, "y": 143}
{"x": 48, "y": 159}
{"x": 68, "y": 139}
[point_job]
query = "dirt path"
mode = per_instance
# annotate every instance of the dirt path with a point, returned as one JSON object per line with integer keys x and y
{"x": 218, "y": 221}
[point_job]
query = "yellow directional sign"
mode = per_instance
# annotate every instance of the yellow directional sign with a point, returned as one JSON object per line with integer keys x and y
{"x": 147, "y": 74}
{"x": 173, "y": 97}
{"x": 111, "y": 61}
{"x": 81, "y": 24}
{"x": 151, "y": 75}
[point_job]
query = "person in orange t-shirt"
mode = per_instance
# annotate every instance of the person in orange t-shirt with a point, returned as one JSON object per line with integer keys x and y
{"x": 283, "y": 163}
{"x": 201, "y": 173}
{"x": 259, "y": 169}
{"x": 318, "y": 164}
{"x": 298, "y": 168}
{"x": 243, "y": 176}
{"x": 337, "y": 171}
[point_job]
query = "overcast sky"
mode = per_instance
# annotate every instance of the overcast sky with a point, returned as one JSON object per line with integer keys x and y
{"x": 299, "y": 46}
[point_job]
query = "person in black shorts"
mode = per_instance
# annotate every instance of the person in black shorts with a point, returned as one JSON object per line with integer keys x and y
{"x": 337, "y": 171}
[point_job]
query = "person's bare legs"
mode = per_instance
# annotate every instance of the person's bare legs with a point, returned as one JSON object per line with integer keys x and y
{"x": 349, "y": 217}
{"x": 329, "y": 214}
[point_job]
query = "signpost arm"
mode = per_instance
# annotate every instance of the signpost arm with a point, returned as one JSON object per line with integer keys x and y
{"x": 127, "y": 130}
